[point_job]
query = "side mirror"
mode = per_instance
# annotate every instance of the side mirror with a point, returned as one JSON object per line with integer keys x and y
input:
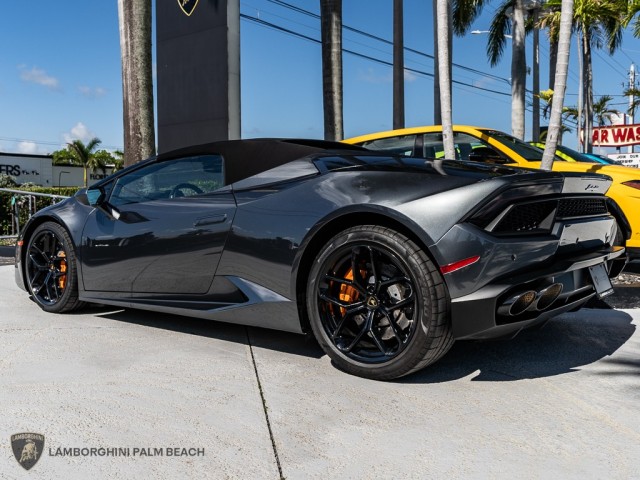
{"x": 95, "y": 196}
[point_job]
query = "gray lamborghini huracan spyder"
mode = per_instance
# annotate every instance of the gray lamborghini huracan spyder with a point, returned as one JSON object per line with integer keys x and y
{"x": 386, "y": 260}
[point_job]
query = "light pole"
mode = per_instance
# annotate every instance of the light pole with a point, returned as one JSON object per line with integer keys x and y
{"x": 59, "y": 177}
{"x": 478, "y": 32}
{"x": 632, "y": 85}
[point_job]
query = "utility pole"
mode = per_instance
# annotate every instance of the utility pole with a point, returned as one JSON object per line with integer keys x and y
{"x": 632, "y": 84}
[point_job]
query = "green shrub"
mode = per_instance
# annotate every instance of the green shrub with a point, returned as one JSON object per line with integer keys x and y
{"x": 8, "y": 201}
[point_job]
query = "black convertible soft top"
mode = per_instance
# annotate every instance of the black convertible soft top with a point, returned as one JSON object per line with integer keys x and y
{"x": 244, "y": 158}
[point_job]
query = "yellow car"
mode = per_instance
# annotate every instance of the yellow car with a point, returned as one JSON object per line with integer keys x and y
{"x": 492, "y": 146}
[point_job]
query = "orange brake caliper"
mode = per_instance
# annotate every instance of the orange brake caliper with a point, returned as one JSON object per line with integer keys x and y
{"x": 62, "y": 281}
{"x": 348, "y": 294}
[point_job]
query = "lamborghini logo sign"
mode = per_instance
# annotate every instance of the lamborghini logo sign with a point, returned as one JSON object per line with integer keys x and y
{"x": 27, "y": 448}
{"x": 188, "y": 6}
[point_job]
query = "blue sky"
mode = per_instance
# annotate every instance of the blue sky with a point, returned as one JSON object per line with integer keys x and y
{"x": 60, "y": 75}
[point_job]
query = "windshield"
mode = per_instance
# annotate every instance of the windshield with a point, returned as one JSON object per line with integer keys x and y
{"x": 577, "y": 156}
{"x": 525, "y": 150}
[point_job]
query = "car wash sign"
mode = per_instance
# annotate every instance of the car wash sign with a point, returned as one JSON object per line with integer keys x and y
{"x": 616, "y": 135}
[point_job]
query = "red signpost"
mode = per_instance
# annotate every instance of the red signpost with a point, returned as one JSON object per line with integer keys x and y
{"x": 615, "y": 135}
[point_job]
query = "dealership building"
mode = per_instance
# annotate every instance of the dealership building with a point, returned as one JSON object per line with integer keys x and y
{"x": 40, "y": 170}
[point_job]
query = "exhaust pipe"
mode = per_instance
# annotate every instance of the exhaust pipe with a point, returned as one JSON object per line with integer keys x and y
{"x": 530, "y": 300}
{"x": 547, "y": 296}
{"x": 518, "y": 303}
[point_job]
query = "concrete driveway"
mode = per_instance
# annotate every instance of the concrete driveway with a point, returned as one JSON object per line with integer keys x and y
{"x": 188, "y": 398}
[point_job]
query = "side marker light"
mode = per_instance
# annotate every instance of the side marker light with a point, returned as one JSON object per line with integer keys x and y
{"x": 452, "y": 267}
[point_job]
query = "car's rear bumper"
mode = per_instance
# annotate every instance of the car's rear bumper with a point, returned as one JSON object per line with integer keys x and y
{"x": 482, "y": 314}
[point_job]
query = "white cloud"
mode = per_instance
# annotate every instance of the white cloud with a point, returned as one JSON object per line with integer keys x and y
{"x": 409, "y": 76}
{"x": 78, "y": 132}
{"x": 29, "y": 148}
{"x": 90, "y": 92}
{"x": 371, "y": 76}
{"x": 375, "y": 77}
{"x": 39, "y": 77}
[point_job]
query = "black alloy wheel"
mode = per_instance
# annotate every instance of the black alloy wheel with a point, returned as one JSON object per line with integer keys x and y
{"x": 51, "y": 268}
{"x": 377, "y": 304}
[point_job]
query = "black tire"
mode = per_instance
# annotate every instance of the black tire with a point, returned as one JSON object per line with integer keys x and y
{"x": 377, "y": 304}
{"x": 51, "y": 269}
{"x": 616, "y": 266}
{"x": 619, "y": 240}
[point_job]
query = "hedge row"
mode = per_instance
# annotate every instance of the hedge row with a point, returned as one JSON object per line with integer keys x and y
{"x": 8, "y": 201}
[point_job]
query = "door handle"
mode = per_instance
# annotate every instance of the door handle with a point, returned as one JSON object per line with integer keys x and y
{"x": 201, "y": 222}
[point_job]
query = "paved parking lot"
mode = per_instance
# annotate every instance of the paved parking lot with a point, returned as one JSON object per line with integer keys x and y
{"x": 6, "y": 255}
{"x": 202, "y": 399}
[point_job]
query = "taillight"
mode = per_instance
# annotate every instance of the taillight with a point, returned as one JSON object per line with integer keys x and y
{"x": 632, "y": 184}
{"x": 452, "y": 267}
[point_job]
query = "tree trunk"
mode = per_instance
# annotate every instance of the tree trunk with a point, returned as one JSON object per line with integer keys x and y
{"x": 398, "y": 65}
{"x": 560, "y": 85}
{"x": 518, "y": 71}
{"x": 580, "y": 115}
{"x": 588, "y": 92}
{"x": 535, "y": 119}
{"x": 437, "y": 113}
{"x": 553, "y": 60}
{"x": 331, "y": 32}
{"x": 137, "y": 83}
{"x": 444, "y": 54}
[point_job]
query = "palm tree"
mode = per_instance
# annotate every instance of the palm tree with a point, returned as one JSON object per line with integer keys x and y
{"x": 601, "y": 109}
{"x": 518, "y": 70}
{"x": 464, "y": 13}
{"x": 509, "y": 18}
{"x": 84, "y": 155}
{"x": 331, "y": 34}
{"x": 635, "y": 93}
{"x": 437, "y": 113}
{"x": 442, "y": 23}
{"x": 634, "y": 9}
{"x": 134, "y": 17}
{"x": 546, "y": 96}
{"x": 118, "y": 160}
{"x": 560, "y": 85}
{"x": 599, "y": 23}
{"x": 398, "y": 65}
{"x": 63, "y": 157}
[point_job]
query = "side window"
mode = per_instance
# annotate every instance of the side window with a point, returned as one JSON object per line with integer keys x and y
{"x": 466, "y": 146}
{"x": 403, "y": 145}
{"x": 184, "y": 177}
{"x": 432, "y": 146}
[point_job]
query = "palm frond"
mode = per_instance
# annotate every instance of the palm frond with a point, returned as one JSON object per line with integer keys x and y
{"x": 500, "y": 26}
